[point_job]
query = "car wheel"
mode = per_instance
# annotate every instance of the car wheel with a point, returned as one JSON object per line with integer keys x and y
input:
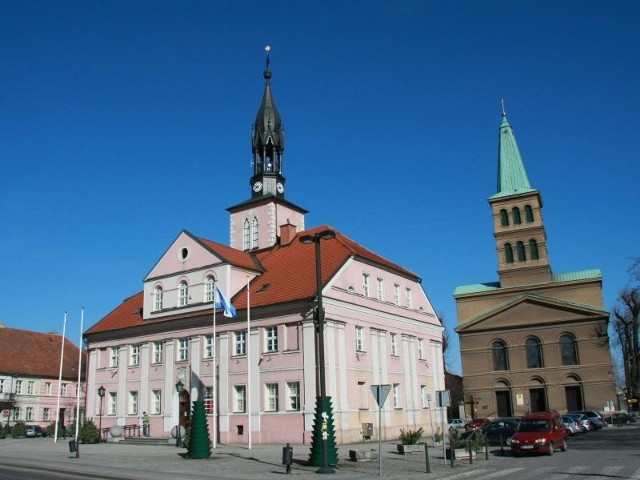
{"x": 507, "y": 441}
{"x": 550, "y": 449}
{"x": 564, "y": 445}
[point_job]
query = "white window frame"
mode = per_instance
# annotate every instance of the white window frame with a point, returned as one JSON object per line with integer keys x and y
{"x": 47, "y": 388}
{"x": 366, "y": 285}
{"x": 157, "y": 298}
{"x": 208, "y": 346}
{"x": 293, "y": 396}
{"x": 133, "y": 402}
{"x": 209, "y": 288}
{"x": 239, "y": 398}
{"x": 409, "y": 298}
{"x": 28, "y": 413}
{"x": 157, "y": 352}
{"x": 46, "y": 414}
{"x": 1, "y": 385}
{"x": 421, "y": 349}
{"x": 112, "y": 404}
{"x": 246, "y": 235}
{"x": 183, "y": 350}
{"x": 397, "y": 403}
{"x": 63, "y": 390}
{"x": 156, "y": 401}
{"x": 360, "y": 339}
{"x": 183, "y": 293}
{"x": 424, "y": 396}
{"x": 271, "y": 397}
{"x": 134, "y": 357}
{"x": 396, "y": 294}
{"x": 16, "y": 413}
{"x": 18, "y": 387}
{"x": 381, "y": 289}
{"x": 240, "y": 342}
{"x": 208, "y": 401}
{"x": 31, "y": 387}
{"x": 114, "y": 357}
{"x": 271, "y": 339}
{"x": 394, "y": 344}
{"x": 254, "y": 233}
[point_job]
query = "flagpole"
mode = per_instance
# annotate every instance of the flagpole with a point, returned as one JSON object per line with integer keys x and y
{"x": 78, "y": 385}
{"x": 248, "y": 363}
{"x": 64, "y": 328}
{"x": 213, "y": 362}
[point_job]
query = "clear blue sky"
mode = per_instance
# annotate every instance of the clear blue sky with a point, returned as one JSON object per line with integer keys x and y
{"x": 124, "y": 122}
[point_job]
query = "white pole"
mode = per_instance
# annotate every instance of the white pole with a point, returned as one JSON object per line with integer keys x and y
{"x": 248, "y": 364}
{"x": 64, "y": 328}
{"x": 79, "y": 380}
{"x": 214, "y": 397}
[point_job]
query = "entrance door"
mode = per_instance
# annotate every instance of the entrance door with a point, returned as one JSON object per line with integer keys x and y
{"x": 538, "y": 398}
{"x": 573, "y": 395}
{"x": 185, "y": 410}
{"x": 503, "y": 403}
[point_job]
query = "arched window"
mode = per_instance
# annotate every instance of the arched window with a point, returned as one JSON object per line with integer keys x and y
{"x": 504, "y": 218}
{"x": 157, "y": 298}
{"x": 254, "y": 233}
{"x": 209, "y": 285}
{"x": 533, "y": 249}
{"x": 516, "y": 216}
{"x": 245, "y": 235}
{"x": 522, "y": 255}
{"x": 500, "y": 355}
{"x": 183, "y": 294}
{"x": 568, "y": 349}
{"x": 528, "y": 213}
{"x": 508, "y": 253}
{"x": 533, "y": 350}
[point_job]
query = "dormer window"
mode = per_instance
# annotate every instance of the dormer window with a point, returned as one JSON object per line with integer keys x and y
{"x": 183, "y": 294}
{"x": 208, "y": 288}
{"x": 157, "y": 298}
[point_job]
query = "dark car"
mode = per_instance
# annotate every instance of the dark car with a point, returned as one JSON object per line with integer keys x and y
{"x": 499, "y": 432}
{"x": 620, "y": 418}
{"x": 35, "y": 431}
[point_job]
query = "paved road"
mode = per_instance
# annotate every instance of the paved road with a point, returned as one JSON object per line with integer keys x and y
{"x": 608, "y": 454}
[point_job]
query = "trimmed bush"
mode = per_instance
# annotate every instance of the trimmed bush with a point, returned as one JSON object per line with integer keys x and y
{"x": 411, "y": 437}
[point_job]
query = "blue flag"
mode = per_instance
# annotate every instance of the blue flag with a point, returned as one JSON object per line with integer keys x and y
{"x": 223, "y": 302}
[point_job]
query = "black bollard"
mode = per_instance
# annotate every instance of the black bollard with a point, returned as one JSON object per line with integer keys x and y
{"x": 287, "y": 457}
{"x": 426, "y": 455}
{"x": 469, "y": 449}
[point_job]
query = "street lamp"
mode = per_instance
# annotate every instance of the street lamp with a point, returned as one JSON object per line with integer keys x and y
{"x": 179, "y": 389}
{"x": 101, "y": 395}
{"x": 321, "y": 416}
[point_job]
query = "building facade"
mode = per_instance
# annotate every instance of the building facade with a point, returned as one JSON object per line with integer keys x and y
{"x": 533, "y": 340}
{"x": 31, "y": 378}
{"x": 257, "y": 371}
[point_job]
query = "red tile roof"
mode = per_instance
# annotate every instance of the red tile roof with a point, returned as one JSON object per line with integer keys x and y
{"x": 288, "y": 275}
{"x": 37, "y": 354}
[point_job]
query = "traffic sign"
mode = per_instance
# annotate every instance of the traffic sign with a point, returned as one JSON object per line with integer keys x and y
{"x": 380, "y": 392}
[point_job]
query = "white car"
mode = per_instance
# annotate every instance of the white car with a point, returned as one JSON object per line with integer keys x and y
{"x": 457, "y": 423}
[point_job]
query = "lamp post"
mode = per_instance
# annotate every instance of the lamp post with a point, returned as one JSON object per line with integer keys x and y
{"x": 322, "y": 403}
{"x": 101, "y": 395}
{"x": 179, "y": 388}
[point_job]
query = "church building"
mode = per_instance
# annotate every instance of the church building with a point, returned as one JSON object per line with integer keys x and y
{"x": 534, "y": 340}
{"x": 255, "y": 364}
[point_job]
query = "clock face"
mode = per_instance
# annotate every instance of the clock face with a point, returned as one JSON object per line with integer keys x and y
{"x": 257, "y": 186}
{"x": 280, "y": 187}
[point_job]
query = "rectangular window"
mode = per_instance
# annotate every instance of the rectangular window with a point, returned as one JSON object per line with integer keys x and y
{"x": 293, "y": 395}
{"x": 183, "y": 294}
{"x": 359, "y": 339}
{"x": 208, "y": 346}
{"x": 239, "y": 398}
{"x": 113, "y": 360}
{"x": 157, "y": 352}
{"x": 396, "y": 396}
{"x": 271, "y": 397}
{"x": 156, "y": 399}
{"x": 421, "y": 349}
{"x": 409, "y": 299}
{"x": 208, "y": 400}
{"x": 47, "y": 388}
{"x": 365, "y": 284}
{"x": 396, "y": 294}
{"x": 381, "y": 289}
{"x": 16, "y": 413}
{"x": 394, "y": 344}
{"x": 271, "y": 339}
{"x": 424, "y": 396}
{"x": 30, "y": 387}
{"x": 113, "y": 403}
{"x": 1, "y": 385}
{"x": 46, "y": 414}
{"x": 133, "y": 403}
{"x": 28, "y": 414}
{"x": 183, "y": 349}
{"x": 18, "y": 387}
{"x": 239, "y": 340}
{"x": 63, "y": 390}
{"x": 135, "y": 355}
{"x": 209, "y": 289}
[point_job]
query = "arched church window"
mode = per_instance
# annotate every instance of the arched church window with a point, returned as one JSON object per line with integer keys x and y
{"x": 504, "y": 218}
{"x": 515, "y": 212}
{"x": 522, "y": 255}
{"x": 246, "y": 235}
{"x": 254, "y": 233}
{"x": 533, "y": 350}
{"x": 528, "y": 213}
{"x": 568, "y": 349}
{"x": 500, "y": 355}
{"x": 157, "y": 298}
{"x": 533, "y": 250}
{"x": 508, "y": 253}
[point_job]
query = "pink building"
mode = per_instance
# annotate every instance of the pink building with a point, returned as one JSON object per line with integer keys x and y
{"x": 257, "y": 373}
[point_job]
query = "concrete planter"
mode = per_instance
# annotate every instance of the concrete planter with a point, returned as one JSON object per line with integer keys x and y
{"x": 410, "y": 449}
{"x": 363, "y": 455}
{"x": 460, "y": 453}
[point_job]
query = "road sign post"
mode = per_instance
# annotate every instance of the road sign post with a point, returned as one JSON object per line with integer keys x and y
{"x": 380, "y": 393}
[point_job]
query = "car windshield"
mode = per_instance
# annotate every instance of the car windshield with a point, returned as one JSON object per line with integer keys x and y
{"x": 533, "y": 426}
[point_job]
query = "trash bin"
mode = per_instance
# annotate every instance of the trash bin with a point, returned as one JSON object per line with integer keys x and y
{"x": 287, "y": 457}
{"x": 72, "y": 446}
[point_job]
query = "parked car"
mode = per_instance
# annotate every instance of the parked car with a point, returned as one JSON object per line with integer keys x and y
{"x": 541, "y": 432}
{"x": 582, "y": 420}
{"x": 476, "y": 423}
{"x": 458, "y": 423}
{"x": 571, "y": 425}
{"x": 35, "y": 431}
{"x": 620, "y": 418}
{"x": 499, "y": 432}
{"x": 594, "y": 417}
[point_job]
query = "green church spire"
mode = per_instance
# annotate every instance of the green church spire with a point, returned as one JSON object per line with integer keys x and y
{"x": 512, "y": 177}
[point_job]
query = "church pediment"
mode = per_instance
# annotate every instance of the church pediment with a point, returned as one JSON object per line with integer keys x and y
{"x": 529, "y": 310}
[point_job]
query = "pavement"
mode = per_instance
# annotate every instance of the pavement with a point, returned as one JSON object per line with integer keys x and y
{"x": 159, "y": 462}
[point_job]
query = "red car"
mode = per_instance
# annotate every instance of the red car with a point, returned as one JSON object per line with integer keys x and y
{"x": 541, "y": 432}
{"x": 476, "y": 423}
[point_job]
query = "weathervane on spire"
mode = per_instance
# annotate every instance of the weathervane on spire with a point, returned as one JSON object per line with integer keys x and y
{"x": 504, "y": 110}
{"x": 267, "y": 48}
